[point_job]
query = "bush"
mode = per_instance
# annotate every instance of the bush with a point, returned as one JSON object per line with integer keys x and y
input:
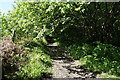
{"x": 23, "y": 62}
{"x": 12, "y": 56}
{"x": 104, "y": 58}
{"x": 37, "y": 64}
{"x": 97, "y": 56}
{"x": 79, "y": 51}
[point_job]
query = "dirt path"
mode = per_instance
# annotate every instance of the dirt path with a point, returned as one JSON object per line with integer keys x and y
{"x": 65, "y": 67}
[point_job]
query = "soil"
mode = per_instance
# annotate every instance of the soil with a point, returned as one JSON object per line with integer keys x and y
{"x": 63, "y": 66}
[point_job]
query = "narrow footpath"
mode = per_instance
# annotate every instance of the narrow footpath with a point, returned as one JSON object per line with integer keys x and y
{"x": 64, "y": 66}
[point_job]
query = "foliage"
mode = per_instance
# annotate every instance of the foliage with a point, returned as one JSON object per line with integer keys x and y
{"x": 32, "y": 24}
{"x": 12, "y": 56}
{"x": 68, "y": 22}
{"x": 43, "y": 18}
{"x": 19, "y": 63}
{"x": 37, "y": 63}
{"x": 97, "y": 56}
{"x": 4, "y": 26}
{"x": 79, "y": 51}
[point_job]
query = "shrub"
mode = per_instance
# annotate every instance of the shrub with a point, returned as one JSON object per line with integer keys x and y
{"x": 104, "y": 58}
{"x": 23, "y": 62}
{"x": 37, "y": 64}
{"x": 97, "y": 56}
{"x": 79, "y": 51}
{"x": 12, "y": 56}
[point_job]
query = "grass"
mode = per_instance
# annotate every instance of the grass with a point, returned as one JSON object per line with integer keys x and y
{"x": 82, "y": 62}
{"x": 106, "y": 75}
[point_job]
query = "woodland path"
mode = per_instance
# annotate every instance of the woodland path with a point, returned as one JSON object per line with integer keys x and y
{"x": 63, "y": 66}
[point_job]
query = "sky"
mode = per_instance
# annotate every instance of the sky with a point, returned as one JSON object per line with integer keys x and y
{"x": 6, "y": 5}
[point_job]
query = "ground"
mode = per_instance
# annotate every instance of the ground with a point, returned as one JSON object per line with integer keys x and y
{"x": 64, "y": 66}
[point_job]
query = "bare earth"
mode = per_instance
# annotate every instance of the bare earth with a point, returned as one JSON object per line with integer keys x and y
{"x": 65, "y": 67}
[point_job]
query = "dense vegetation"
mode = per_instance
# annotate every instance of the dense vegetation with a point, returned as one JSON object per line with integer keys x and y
{"x": 23, "y": 62}
{"x": 97, "y": 57}
{"x": 22, "y": 58}
{"x": 90, "y": 32}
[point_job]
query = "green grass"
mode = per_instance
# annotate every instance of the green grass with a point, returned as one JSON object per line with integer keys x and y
{"x": 106, "y": 75}
{"x": 97, "y": 57}
{"x": 82, "y": 62}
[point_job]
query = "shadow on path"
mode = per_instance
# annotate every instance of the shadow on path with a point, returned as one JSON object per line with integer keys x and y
{"x": 65, "y": 67}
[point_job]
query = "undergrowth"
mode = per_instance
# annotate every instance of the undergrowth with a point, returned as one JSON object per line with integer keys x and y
{"x": 24, "y": 62}
{"x": 97, "y": 57}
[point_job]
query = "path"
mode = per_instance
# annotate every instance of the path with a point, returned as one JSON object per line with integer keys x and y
{"x": 64, "y": 66}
